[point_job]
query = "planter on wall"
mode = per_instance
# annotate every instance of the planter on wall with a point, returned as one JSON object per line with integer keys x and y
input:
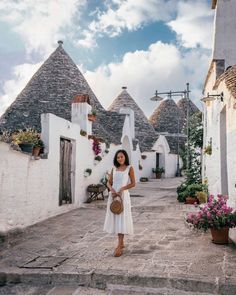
{"x": 26, "y": 147}
{"x": 91, "y": 117}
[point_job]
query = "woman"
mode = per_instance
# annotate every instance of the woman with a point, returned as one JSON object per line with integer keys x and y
{"x": 121, "y": 179}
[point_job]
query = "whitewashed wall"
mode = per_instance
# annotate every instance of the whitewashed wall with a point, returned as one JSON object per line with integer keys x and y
{"x": 224, "y": 32}
{"x": 212, "y": 163}
{"x": 29, "y": 189}
{"x": 166, "y": 159}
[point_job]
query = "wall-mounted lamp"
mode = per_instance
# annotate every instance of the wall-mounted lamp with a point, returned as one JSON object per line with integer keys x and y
{"x": 211, "y": 97}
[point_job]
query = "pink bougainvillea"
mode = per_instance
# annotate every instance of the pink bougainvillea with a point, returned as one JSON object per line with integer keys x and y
{"x": 96, "y": 147}
{"x": 214, "y": 214}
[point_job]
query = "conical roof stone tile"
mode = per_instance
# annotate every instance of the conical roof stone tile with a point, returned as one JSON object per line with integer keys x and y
{"x": 166, "y": 116}
{"x": 51, "y": 90}
{"x": 144, "y": 131}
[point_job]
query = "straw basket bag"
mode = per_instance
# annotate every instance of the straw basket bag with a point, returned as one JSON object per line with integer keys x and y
{"x": 117, "y": 205}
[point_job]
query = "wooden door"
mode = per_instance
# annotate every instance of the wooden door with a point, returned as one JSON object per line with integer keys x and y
{"x": 65, "y": 172}
{"x": 157, "y": 160}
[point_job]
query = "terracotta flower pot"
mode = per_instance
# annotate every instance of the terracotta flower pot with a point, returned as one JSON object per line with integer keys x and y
{"x": 36, "y": 151}
{"x": 158, "y": 175}
{"x": 91, "y": 117}
{"x": 191, "y": 201}
{"x": 220, "y": 236}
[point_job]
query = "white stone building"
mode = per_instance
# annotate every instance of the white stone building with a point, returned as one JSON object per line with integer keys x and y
{"x": 220, "y": 111}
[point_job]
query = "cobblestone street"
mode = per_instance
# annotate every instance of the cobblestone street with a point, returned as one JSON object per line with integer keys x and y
{"x": 69, "y": 254}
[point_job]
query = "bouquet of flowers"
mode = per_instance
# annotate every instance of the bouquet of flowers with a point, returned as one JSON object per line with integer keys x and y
{"x": 214, "y": 214}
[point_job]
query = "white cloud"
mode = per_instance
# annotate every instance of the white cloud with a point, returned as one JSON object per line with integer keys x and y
{"x": 128, "y": 15}
{"x": 193, "y": 24}
{"x": 88, "y": 41}
{"x": 162, "y": 67}
{"x": 40, "y": 23}
{"x": 11, "y": 88}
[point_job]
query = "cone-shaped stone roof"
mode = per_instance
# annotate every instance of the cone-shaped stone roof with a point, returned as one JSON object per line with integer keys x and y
{"x": 144, "y": 131}
{"x": 182, "y": 104}
{"x": 50, "y": 90}
{"x": 165, "y": 117}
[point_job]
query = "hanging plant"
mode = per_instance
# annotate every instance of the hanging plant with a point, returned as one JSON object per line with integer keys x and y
{"x": 208, "y": 150}
{"x": 98, "y": 158}
{"x": 87, "y": 172}
{"x": 83, "y": 132}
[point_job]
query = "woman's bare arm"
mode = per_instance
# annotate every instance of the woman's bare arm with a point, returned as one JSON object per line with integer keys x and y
{"x": 110, "y": 183}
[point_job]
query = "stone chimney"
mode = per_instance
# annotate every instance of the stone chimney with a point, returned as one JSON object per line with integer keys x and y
{"x": 130, "y": 113}
{"x": 79, "y": 112}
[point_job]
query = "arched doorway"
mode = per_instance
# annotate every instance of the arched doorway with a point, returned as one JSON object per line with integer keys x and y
{"x": 160, "y": 157}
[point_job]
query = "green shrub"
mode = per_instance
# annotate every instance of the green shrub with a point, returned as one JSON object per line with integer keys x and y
{"x": 192, "y": 189}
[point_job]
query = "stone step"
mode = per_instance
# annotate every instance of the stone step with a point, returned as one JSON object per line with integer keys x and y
{"x": 24, "y": 289}
{"x": 100, "y": 279}
{"x": 134, "y": 290}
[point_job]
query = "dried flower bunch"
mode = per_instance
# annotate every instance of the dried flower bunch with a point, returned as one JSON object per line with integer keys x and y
{"x": 214, "y": 214}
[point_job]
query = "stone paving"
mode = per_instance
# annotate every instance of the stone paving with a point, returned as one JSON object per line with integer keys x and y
{"x": 69, "y": 254}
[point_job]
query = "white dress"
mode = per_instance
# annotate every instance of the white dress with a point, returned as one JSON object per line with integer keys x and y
{"x": 119, "y": 223}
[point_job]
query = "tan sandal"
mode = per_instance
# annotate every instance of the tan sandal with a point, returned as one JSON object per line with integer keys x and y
{"x": 118, "y": 252}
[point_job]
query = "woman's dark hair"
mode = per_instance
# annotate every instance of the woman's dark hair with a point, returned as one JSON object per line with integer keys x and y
{"x": 126, "y": 158}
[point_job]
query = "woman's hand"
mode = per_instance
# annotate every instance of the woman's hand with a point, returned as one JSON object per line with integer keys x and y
{"x": 120, "y": 192}
{"x": 113, "y": 193}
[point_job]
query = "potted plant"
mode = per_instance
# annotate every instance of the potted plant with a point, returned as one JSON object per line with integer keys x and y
{"x": 191, "y": 190}
{"x": 26, "y": 139}
{"x": 106, "y": 151}
{"x": 158, "y": 171}
{"x": 216, "y": 216}
{"x": 38, "y": 147}
{"x": 208, "y": 148}
{"x": 143, "y": 179}
{"x": 92, "y": 116}
{"x": 143, "y": 157}
{"x": 202, "y": 197}
{"x": 97, "y": 159}
{"x": 140, "y": 167}
{"x": 181, "y": 192}
{"x": 83, "y": 132}
{"x": 87, "y": 172}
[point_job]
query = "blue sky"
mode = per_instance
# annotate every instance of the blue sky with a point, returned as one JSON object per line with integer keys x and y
{"x": 142, "y": 44}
